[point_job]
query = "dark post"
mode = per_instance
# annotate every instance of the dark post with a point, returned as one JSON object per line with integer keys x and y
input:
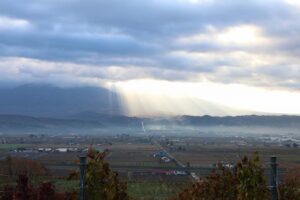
{"x": 273, "y": 178}
{"x": 82, "y": 166}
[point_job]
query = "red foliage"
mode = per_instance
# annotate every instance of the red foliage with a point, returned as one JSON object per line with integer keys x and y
{"x": 6, "y": 193}
{"x": 46, "y": 191}
{"x": 247, "y": 182}
{"x": 289, "y": 188}
{"x": 14, "y": 166}
{"x": 25, "y": 191}
{"x": 216, "y": 186}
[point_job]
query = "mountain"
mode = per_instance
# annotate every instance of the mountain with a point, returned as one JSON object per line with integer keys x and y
{"x": 50, "y": 101}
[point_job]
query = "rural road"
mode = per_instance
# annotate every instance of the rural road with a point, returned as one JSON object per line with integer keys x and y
{"x": 193, "y": 175}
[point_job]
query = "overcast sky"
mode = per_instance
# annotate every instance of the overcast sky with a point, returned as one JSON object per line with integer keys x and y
{"x": 226, "y": 56}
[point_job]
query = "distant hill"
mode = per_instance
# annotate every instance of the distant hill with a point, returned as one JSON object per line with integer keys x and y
{"x": 50, "y": 101}
{"x": 19, "y": 123}
{"x": 104, "y": 118}
{"x": 87, "y": 122}
{"x": 246, "y": 120}
{"x": 78, "y": 123}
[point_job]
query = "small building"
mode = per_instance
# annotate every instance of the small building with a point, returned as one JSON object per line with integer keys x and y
{"x": 48, "y": 149}
{"x": 165, "y": 159}
{"x": 62, "y": 150}
{"x": 159, "y": 154}
{"x": 180, "y": 173}
{"x": 74, "y": 149}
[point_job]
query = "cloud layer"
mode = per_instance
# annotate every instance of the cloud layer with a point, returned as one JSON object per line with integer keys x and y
{"x": 250, "y": 42}
{"x": 253, "y": 43}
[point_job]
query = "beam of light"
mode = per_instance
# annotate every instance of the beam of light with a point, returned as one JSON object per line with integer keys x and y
{"x": 154, "y": 98}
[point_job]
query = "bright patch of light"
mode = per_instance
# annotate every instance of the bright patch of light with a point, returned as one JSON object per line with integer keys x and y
{"x": 244, "y": 35}
{"x": 240, "y": 35}
{"x": 293, "y": 2}
{"x": 151, "y": 97}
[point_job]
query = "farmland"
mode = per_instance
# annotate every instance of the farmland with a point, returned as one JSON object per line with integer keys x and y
{"x": 154, "y": 167}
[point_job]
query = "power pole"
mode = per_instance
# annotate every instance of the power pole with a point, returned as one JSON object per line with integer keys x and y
{"x": 82, "y": 167}
{"x": 273, "y": 177}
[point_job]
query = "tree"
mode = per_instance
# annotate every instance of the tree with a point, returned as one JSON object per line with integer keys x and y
{"x": 15, "y": 166}
{"x": 245, "y": 182}
{"x": 101, "y": 182}
{"x": 215, "y": 186}
{"x": 46, "y": 191}
{"x": 6, "y": 193}
{"x": 8, "y": 161}
{"x": 252, "y": 182}
{"x": 25, "y": 191}
{"x": 289, "y": 188}
{"x": 218, "y": 185}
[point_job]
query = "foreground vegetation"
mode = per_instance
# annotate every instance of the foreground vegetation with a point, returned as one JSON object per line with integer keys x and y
{"x": 245, "y": 182}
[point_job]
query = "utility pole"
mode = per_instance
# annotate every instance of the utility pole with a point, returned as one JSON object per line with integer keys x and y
{"x": 82, "y": 167}
{"x": 273, "y": 177}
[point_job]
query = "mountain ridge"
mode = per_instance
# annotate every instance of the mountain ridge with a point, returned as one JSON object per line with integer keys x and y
{"x": 50, "y": 101}
{"x": 99, "y": 120}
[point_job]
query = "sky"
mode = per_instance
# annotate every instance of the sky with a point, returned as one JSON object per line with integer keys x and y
{"x": 163, "y": 57}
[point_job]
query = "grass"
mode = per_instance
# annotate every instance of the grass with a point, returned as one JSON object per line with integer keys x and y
{"x": 154, "y": 190}
{"x": 61, "y": 184}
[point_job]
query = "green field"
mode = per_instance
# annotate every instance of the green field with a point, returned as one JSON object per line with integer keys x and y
{"x": 13, "y": 146}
